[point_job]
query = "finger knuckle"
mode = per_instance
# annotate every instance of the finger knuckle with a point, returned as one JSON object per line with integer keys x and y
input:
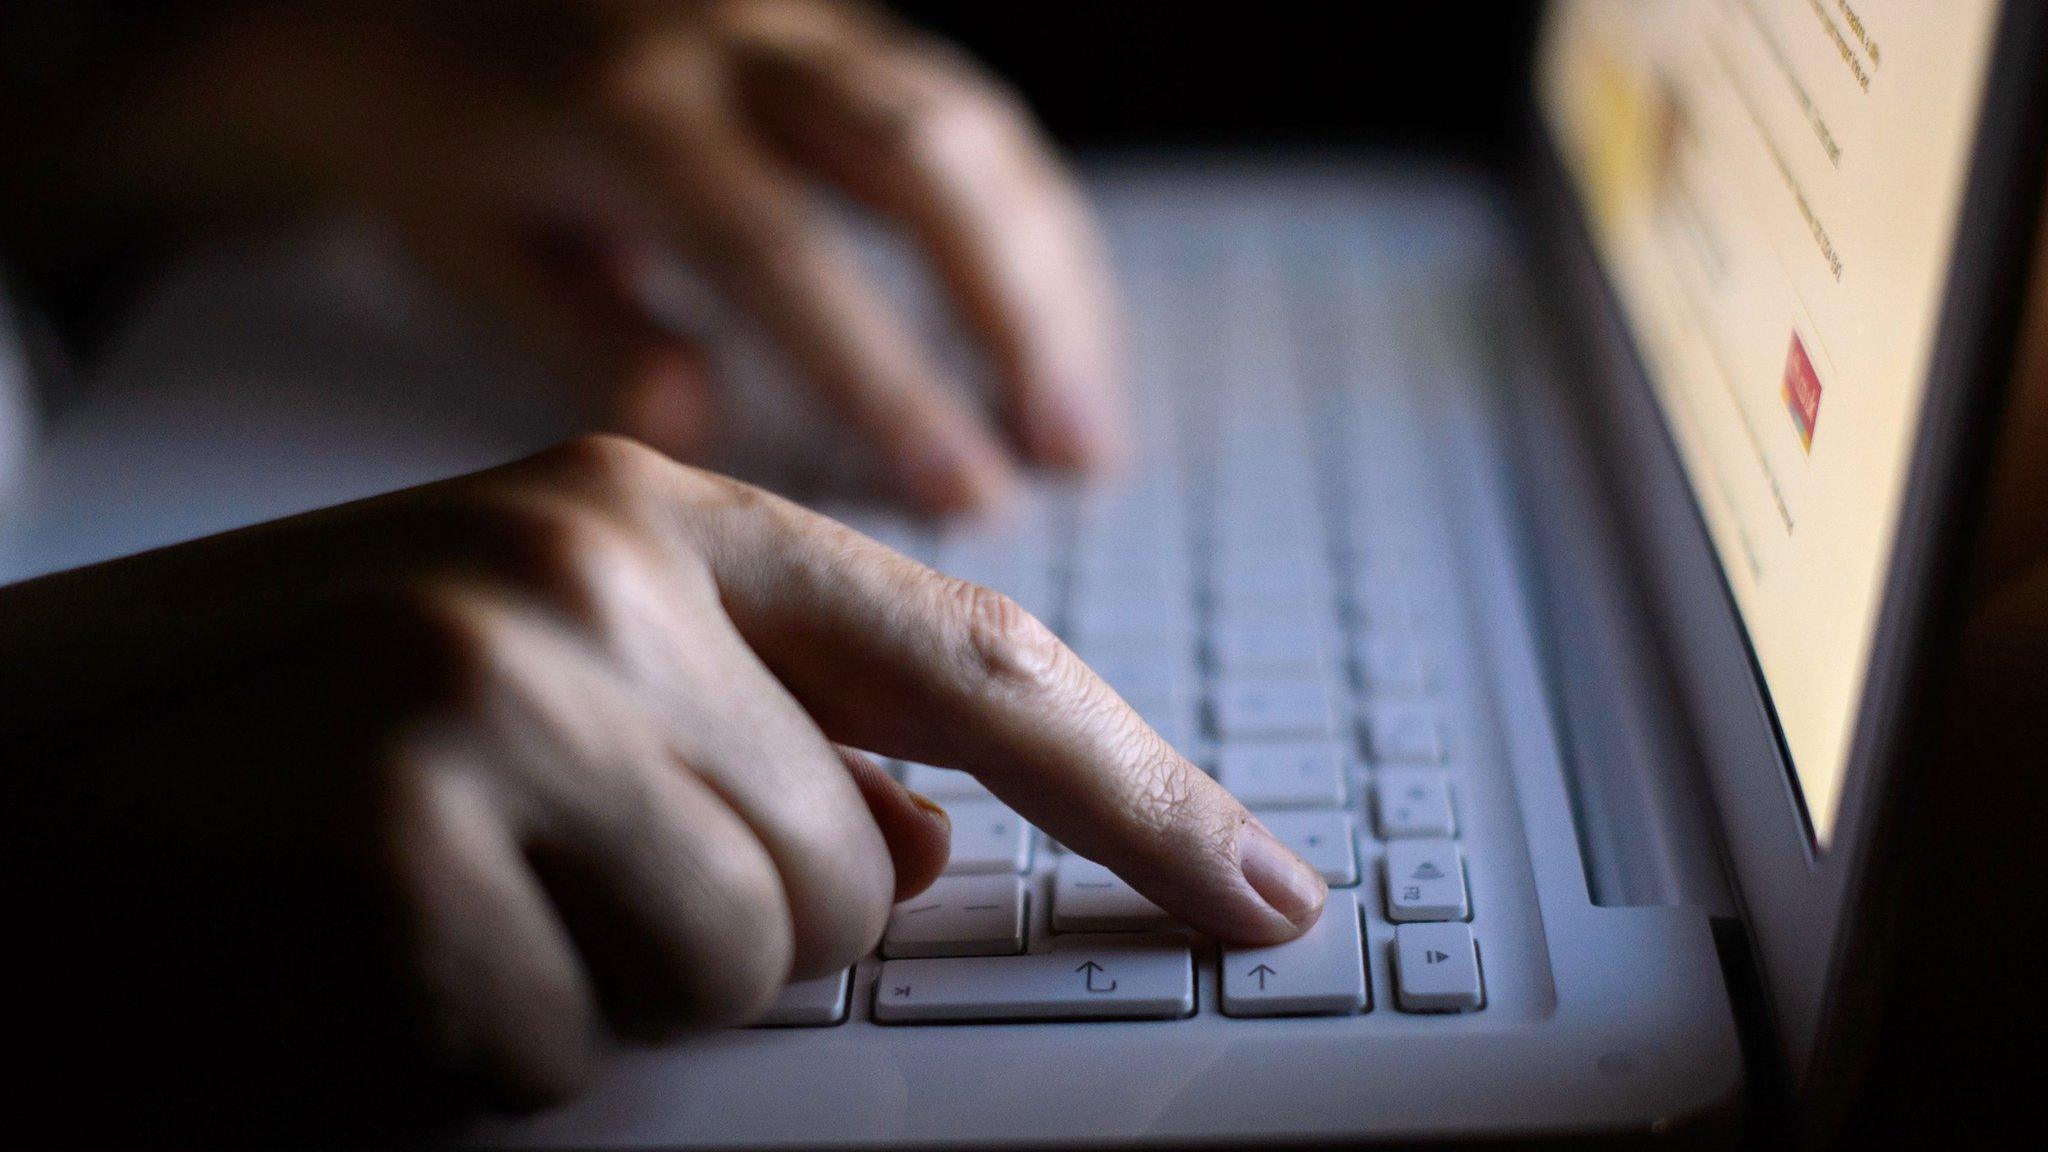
{"x": 844, "y": 910}
{"x": 942, "y": 135}
{"x": 525, "y": 1039}
{"x": 607, "y": 467}
{"x": 571, "y": 557}
{"x": 984, "y": 139}
{"x": 736, "y": 971}
{"x": 952, "y": 123}
{"x": 545, "y": 1056}
{"x": 426, "y": 640}
{"x": 833, "y": 867}
{"x": 997, "y": 645}
{"x": 713, "y": 492}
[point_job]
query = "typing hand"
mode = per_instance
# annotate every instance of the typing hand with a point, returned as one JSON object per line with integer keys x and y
{"x": 540, "y": 158}
{"x": 424, "y": 790}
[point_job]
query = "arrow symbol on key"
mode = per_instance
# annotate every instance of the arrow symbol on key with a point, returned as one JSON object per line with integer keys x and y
{"x": 1090, "y": 967}
{"x": 1262, "y": 972}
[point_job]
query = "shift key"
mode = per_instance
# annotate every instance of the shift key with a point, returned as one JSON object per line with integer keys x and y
{"x": 1124, "y": 976}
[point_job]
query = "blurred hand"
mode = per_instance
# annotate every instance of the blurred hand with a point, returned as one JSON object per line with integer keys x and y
{"x": 539, "y": 157}
{"x": 421, "y": 791}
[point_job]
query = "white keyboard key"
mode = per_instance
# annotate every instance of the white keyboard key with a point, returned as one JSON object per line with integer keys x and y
{"x": 1321, "y": 838}
{"x": 1228, "y": 614}
{"x": 1138, "y": 623}
{"x": 1283, "y": 774}
{"x": 959, "y": 916}
{"x": 1389, "y": 663}
{"x": 1262, "y": 646}
{"x": 1175, "y": 657}
{"x": 1259, "y": 521}
{"x": 1289, "y": 565}
{"x": 1258, "y": 709}
{"x": 1404, "y": 734}
{"x": 1425, "y": 881}
{"x": 811, "y": 1003}
{"x": 1413, "y": 802}
{"x": 1102, "y": 581}
{"x": 1436, "y": 968}
{"x": 1145, "y": 525}
{"x": 1234, "y": 612}
{"x": 1266, "y": 512}
{"x": 1169, "y": 713}
{"x": 1086, "y": 897}
{"x": 1079, "y": 978}
{"x": 1255, "y": 591}
{"x": 987, "y": 837}
{"x": 1381, "y": 606}
{"x": 1032, "y": 591}
{"x": 1320, "y": 973}
{"x": 1134, "y": 673}
{"x": 943, "y": 783}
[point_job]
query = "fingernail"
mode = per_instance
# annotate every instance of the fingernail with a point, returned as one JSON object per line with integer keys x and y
{"x": 1288, "y": 884}
{"x": 929, "y": 807}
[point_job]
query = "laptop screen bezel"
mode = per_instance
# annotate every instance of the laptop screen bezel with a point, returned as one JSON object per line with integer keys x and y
{"x": 1805, "y": 908}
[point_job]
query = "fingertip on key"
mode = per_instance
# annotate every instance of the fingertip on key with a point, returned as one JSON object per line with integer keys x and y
{"x": 1282, "y": 879}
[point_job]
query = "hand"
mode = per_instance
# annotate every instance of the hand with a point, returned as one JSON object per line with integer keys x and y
{"x": 540, "y": 158}
{"x": 415, "y": 794}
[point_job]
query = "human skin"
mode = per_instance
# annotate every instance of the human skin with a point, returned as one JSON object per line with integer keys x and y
{"x": 433, "y": 796}
{"x": 543, "y": 159}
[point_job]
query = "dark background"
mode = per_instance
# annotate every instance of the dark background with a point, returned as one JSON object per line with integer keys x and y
{"x": 1426, "y": 76}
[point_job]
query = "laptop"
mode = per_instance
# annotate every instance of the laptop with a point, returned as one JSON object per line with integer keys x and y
{"x": 1551, "y": 557}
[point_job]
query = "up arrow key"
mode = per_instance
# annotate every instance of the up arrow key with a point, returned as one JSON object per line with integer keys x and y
{"x": 1325, "y": 969}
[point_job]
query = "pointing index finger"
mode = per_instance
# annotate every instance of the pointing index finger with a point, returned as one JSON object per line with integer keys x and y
{"x": 891, "y": 656}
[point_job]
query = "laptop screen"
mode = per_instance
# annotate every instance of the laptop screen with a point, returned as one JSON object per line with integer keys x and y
{"x": 1774, "y": 187}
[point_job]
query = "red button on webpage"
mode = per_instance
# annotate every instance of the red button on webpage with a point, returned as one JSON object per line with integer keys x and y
{"x": 1801, "y": 390}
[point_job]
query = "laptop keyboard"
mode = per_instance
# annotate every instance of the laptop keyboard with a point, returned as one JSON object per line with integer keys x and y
{"x": 1256, "y": 589}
